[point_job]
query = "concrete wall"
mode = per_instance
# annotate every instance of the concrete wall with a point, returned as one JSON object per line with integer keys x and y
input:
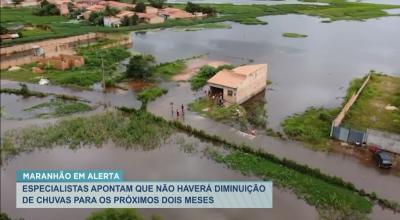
{"x": 338, "y": 120}
{"x": 387, "y": 141}
{"x": 23, "y": 53}
{"x": 252, "y": 85}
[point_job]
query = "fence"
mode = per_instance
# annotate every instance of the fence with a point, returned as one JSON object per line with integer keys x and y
{"x": 24, "y": 53}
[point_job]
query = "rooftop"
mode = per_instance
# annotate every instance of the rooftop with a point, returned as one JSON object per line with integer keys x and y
{"x": 233, "y": 78}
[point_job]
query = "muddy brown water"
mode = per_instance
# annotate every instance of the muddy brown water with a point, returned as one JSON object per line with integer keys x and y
{"x": 165, "y": 163}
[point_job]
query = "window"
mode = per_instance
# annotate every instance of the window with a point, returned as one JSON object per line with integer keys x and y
{"x": 230, "y": 92}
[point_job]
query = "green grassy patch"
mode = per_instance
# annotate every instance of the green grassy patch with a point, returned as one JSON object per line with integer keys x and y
{"x": 233, "y": 114}
{"x": 206, "y": 26}
{"x": 151, "y": 94}
{"x": 313, "y": 126}
{"x": 294, "y": 35}
{"x": 167, "y": 70}
{"x": 369, "y": 109}
{"x": 58, "y": 107}
{"x": 84, "y": 76}
{"x": 139, "y": 129}
{"x": 339, "y": 201}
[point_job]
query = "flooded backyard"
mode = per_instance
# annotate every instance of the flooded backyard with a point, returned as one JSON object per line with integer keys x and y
{"x": 312, "y": 71}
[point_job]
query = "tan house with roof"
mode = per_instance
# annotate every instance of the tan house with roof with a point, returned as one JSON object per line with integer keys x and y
{"x": 239, "y": 84}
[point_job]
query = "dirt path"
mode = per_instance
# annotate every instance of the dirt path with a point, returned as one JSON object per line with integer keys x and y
{"x": 193, "y": 66}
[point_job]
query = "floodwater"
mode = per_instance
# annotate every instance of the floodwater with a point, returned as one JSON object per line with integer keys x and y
{"x": 362, "y": 175}
{"x": 247, "y": 2}
{"x": 116, "y": 97}
{"x": 166, "y": 163}
{"x": 312, "y": 71}
{"x": 14, "y": 106}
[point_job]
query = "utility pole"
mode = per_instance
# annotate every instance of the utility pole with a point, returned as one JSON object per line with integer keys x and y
{"x": 102, "y": 70}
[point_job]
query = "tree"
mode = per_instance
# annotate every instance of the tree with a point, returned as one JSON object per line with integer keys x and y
{"x": 208, "y": 10}
{"x": 125, "y": 21}
{"x": 133, "y": 2}
{"x": 96, "y": 18}
{"x": 46, "y": 9}
{"x": 140, "y": 7}
{"x": 157, "y": 3}
{"x": 115, "y": 214}
{"x": 192, "y": 7}
{"x": 110, "y": 11}
{"x": 134, "y": 19}
{"x": 140, "y": 66}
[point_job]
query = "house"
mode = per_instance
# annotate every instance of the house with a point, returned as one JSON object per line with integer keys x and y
{"x": 122, "y": 14}
{"x": 239, "y": 84}
{"x": 117, "y": 5}
{"x": 112, "y": 21}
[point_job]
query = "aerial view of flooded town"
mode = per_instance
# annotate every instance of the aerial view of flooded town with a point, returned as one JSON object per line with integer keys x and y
{"x": 303, "y": 93}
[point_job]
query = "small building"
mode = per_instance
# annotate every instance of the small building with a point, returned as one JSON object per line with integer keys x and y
{"x": 239, "y": 84}
{"x": 112, "y": 21}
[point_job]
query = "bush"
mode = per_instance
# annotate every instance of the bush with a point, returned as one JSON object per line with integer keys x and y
{"x": 140, "y": 66}
{"x": 157, "y": 3}
{"x": 46, "y": 9}
{"x": 150, "y": 94}
{"x": 140, "y": 7}
{"x": 206, "y": 72}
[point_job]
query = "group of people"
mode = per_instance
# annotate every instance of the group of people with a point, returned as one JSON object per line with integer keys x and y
{"x": 178, "y": 113}
{"x": 216, "y": 97}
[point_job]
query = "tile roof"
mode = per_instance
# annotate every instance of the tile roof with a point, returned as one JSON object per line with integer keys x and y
{"x": 227, "y": 78}
{"x": 233, "y": 78}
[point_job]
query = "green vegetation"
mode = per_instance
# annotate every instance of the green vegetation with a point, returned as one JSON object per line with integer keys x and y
{"x": 193, "y": 8}
{"x": 369, "y": 109}
{"x": 313, "y": 126}
{"x": 60, "y": 107}
{"x": 245, "y": 14}
{"x": 197, "y": 27}
{"x": 252, "y": 112}
{"x": 46, "y": 9}
{"x": 341, "y": 10}
{"x": 150, "y": 94}
{"x": 206, "y": 72}
{"x": 319, "y": 193}
{"x": 137, "y": 129}
{"x": 234, "y": 113}
{"x": 25, "y": 92}
{"x": 118, "y": 214}
{"x": 140, "y": 67}
{"x": 294, "y": 35}
{"x": 84, "y": 76}
{"x": 167, "y": 70}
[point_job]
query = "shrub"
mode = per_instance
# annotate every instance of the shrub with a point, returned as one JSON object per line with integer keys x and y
{"x": 45, "y": 9}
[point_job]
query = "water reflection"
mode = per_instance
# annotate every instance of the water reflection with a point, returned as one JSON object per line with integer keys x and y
{"x": 165, "y": 163}
{"x": 305, "y": 72}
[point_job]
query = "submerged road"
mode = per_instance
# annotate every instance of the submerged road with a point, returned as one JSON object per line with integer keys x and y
{"x": 349, "y": 168}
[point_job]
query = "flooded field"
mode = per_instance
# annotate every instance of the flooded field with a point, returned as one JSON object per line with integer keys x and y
{"x": 312, "y": 71}
{"x": 368, "y": 177}
{"x": 166, "y": 163}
